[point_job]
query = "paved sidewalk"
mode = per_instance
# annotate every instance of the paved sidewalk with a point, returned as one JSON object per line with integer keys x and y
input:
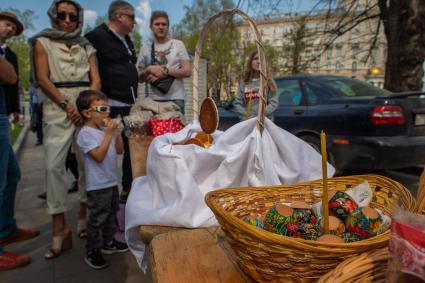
{"x": 31, "y": 213}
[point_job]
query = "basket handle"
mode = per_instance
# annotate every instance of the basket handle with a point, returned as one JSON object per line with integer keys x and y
{"x": 420, "y": 204}
{"x": 261, "y": 55}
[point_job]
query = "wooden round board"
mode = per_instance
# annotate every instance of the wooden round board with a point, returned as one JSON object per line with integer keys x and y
{"x": 208, "y": 116}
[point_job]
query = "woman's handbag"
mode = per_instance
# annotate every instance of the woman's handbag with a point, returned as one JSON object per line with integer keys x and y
{"x": 162, "y": 84}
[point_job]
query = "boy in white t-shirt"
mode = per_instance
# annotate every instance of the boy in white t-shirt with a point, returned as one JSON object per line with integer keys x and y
{"x": 99, "y": 141}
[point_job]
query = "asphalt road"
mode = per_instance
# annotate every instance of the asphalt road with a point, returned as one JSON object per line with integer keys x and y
{"x": 409, "y": 177}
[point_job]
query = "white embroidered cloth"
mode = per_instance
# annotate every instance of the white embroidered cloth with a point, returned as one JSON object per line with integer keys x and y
{"x": 179, "y": 176}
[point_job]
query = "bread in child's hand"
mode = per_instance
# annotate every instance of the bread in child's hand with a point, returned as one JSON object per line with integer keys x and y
{"x": 106, "y": 121}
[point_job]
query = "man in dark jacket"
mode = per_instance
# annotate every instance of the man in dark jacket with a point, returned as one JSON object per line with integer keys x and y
{"x": 117, "y": 67}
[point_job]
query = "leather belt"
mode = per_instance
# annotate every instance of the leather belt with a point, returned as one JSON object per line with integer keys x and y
{"x": 71, "y": 84}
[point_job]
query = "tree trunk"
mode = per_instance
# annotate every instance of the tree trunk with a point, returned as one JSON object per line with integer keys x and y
{"x": 404, "y": 23}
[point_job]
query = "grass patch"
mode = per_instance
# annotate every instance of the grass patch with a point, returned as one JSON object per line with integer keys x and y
{"x": 14, "y": 133}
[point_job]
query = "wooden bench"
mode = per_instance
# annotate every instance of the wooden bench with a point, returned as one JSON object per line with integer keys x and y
{"x": 191, "y": 255}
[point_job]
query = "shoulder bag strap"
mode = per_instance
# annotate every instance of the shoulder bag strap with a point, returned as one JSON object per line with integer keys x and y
{"x": 153, "y": 59}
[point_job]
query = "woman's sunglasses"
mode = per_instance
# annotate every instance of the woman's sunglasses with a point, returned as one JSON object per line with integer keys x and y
{"x": 101, "y": 109}
{"x": 62, "y": 16}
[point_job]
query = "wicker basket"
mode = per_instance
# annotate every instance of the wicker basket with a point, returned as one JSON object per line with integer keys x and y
{"x": 139, "y": 153}
{"x": 371, "y": 266}
{"x": 367, "y": 267}
{"x": 266, "y": 256}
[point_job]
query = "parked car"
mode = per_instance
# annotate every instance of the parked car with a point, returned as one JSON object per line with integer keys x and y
{"x": 366, "y": 127}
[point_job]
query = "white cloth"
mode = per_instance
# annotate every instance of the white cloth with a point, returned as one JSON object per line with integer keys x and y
{"x": 179, "y": 176}
{"x": 99, "y": 175}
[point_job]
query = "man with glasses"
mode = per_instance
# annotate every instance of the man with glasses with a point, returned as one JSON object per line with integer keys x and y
{"x": 116, "y": 57}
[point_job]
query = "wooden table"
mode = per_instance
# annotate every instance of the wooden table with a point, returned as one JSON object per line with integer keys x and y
{"x": 191, "y": 255}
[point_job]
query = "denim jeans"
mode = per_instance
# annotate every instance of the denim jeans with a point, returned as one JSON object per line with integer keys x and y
{"x": 9, "y": 178}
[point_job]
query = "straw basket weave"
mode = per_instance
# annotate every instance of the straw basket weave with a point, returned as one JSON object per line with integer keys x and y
{"x": 266, "y": 256}
{"x": 371, "y": 266}
{"x": 139, "y": 147}
{"x": 367, "y": 267}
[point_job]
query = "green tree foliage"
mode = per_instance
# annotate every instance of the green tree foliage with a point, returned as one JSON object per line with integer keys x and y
{"x": 220, "y": 41}
{"x": 136, "y": 37}
{"x": 99, "y": 20}
{"x": 294, "y": 53}
{"x": 20, "y": 46}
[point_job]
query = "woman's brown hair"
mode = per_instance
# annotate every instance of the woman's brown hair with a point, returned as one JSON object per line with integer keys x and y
{"x": 250, "y": 74}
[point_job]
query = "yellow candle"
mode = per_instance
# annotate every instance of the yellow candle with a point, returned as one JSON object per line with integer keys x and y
{"x": 325, "y": 198}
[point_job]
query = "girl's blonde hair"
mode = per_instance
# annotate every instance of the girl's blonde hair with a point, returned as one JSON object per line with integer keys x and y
{"x": 250, "y": 74}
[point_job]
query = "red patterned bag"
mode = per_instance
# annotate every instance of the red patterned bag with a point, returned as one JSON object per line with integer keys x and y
{"x": 159, "y": 127}
{"x": 407, "y": 248}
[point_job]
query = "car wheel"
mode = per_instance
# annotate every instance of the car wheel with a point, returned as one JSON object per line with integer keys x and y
{"x": 315, "y": 143}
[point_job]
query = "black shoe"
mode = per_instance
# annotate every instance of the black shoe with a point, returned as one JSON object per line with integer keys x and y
{"x": 74, "y": 187}
{"x": 38, "y": 143}
{"x": 42, "y": 195}
{"x": 95, "y": 260}
{"x": 114, "y": 247}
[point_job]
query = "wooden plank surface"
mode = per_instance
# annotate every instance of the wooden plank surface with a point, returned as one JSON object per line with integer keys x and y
{"x": 195, "y": 255}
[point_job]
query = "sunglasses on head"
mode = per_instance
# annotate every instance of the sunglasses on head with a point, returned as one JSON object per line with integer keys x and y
{"x": 62, "y": 16}
{"x": 100, "y": 109}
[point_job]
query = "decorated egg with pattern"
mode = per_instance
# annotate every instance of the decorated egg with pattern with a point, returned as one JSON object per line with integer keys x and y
{"x": 279, "y": 220}
{"x": 341, "y": 205}
{"x": 336, "y": 227}
{"x": 364, "y": 222}
{"x": 255, "y": 221}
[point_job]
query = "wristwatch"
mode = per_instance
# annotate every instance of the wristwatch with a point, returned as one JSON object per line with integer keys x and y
{"x": 166, "y": 70}
{"x": 63, "y": 104}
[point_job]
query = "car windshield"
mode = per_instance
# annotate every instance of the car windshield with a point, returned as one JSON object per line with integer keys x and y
{"x": 350, "y": 87}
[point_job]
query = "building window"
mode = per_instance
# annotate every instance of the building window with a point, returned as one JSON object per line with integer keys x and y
{"x": 339, "y": 51}
{"x": 338, "y": 65}
{"x": 328, "y": 66}
{"x": 354, "y": 52}
{"x": 354, "y": 66}
{"x": 329, "y": 53}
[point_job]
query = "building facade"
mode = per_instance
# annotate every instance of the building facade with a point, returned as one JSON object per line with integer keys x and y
{"x": 323, "y": 51}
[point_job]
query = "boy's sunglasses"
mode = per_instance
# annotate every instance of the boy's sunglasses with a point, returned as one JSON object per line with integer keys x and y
{"x": 101, "y": 109}
{"x": 62, "y": 16}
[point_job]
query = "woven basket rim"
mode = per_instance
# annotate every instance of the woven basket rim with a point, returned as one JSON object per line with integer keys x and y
{"x": 272, "y": 238}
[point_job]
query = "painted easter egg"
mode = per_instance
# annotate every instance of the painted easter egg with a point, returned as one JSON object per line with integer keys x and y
{"x": 341, "y": 205}
{"x": 279, "y": 220}
{"x": 364, "y": 222}
{"x": 328, "y": 238}
{"x": 336, "y": 227}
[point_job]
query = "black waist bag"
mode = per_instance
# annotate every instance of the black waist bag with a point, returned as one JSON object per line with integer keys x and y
{"x": 162, "y": 84}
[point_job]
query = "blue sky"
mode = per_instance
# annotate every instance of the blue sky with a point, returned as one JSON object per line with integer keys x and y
{"x": 93, "y": 8}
